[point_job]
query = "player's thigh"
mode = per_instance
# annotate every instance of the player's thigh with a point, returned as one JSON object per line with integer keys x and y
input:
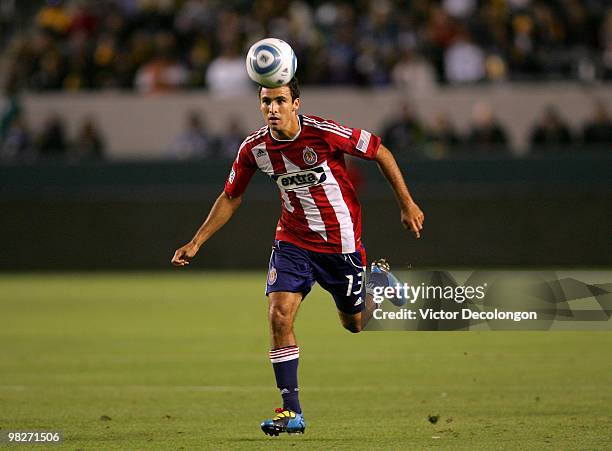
{"x": 290, "y": 270}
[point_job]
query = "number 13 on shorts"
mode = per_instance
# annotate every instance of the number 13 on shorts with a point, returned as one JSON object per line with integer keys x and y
{"x": 354, "y": 281}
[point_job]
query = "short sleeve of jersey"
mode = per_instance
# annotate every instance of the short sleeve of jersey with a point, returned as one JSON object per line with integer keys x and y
{"x": 360, "y": 143}
{"x": 243, "y": 168}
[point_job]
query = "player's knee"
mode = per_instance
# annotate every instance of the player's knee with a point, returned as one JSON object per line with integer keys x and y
{"x": 279, "y": 314}
{"x": 280, "y": 318}
{"x": 354, "y": 328}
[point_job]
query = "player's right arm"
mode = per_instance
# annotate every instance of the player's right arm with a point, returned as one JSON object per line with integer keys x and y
{"x": 221, "y": 212}
{"x": 224, "y": 207}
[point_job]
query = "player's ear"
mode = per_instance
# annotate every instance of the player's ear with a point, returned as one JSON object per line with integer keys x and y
{"x": 296, "y": 104}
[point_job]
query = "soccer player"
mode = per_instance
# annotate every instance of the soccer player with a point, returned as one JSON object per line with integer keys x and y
{"x": 318, "y": 237}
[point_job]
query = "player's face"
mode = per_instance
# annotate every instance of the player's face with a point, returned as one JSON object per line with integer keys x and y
{"x": 278, "y": 110}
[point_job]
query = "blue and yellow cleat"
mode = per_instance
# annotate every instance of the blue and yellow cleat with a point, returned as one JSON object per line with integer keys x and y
{"x": 285, "y": 421}
{"x": 381, "y": 276}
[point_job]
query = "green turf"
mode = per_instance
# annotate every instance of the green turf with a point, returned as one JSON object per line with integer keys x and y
{"x": 179, "y": 361}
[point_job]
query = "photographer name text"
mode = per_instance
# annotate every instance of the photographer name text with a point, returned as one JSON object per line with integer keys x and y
{"x": 464, "y": 314}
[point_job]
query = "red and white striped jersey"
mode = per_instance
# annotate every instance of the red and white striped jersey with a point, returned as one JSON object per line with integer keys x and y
{"x": 320, "y": 210}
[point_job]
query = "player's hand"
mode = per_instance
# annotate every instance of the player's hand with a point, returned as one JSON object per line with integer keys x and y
{"x": 412, "y": 219}
{"x": 184, "y": 254}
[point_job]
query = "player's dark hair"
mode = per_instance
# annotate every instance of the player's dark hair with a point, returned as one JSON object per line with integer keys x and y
{"x": 293, "y": 86}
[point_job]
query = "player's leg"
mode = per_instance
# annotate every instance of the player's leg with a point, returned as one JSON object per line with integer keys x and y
{"x": 284, "y": 355}
{"x": 343, "y": 276}
{"x": 284, "y": 352}
{"x": 356, "y": 322}
{"x": 380, "y": 277}
{"x": 289, "y": 281}
{"x": 282, "y": 309}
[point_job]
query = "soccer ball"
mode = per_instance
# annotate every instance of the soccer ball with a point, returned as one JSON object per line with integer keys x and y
{"x": 271, "y": 63}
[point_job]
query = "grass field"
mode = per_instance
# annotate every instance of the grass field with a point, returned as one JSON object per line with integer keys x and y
{"x": 179, "y": 361}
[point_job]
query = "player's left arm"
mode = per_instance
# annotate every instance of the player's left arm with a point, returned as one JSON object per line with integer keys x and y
{"x": 411, "y": 215}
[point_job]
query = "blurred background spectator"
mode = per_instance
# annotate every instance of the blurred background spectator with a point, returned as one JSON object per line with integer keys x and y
{"x": 413, "y": 73}
{"x": 16, "y": 146}
{"x": 442, "y": 138}
{"x": 463, "y": 60}
{"x": 51, "y": 143}
{"x": 487, "y": 136}
{"x": 163, "y": 73}
{"x": 226, "y": 74}
{"x": 89, "y": 143}
{"x": 597, "y": 132}
{"x": 10, "y": 107}
{"x": 193, "y": 141}
{"x": 229, "y": 142}
{"x": 551, "y": 133}
{"x": 405, "y": 134}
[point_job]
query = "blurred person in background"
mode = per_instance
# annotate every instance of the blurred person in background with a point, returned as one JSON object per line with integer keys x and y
{"x": 597, "y": 132}
{"x": 551, "y": 133}
{"x": 83, "y": 18}
{"x": 464, "y": 61}
{"x": 106, "y": 61}
{"x": 332, "y": 53}
{"x": 80, "y": 45}
{"x": 17, "y": 142}
{"x": 487, "y": 136}
{"x": 50, "y": 72}
{"x": 51, "y": 143}
{"x": 198, "y": 59}
{"x": 231, "y": 139}
{"x": 405, "y": 133}
{"x": 140, "y": 50}
{"x": 523, "y": 49}
{"x": 439, "y": 33}
{"x": 164, "y": 73}
{"x": 442, "y": 138}
{"x": 226, "y": 75}
{"x": 54, "y": 17}
{"x": 10, "y": 106}
{"x": 375, "y": 44}
{"x": 550, "y": 35}
{"x": 490, "y": 29}
{"x": 193, "y": 141}
{"x": 414, "y": 73}
{"x": 89, "y": 144}
{"x": 580, "y": 26}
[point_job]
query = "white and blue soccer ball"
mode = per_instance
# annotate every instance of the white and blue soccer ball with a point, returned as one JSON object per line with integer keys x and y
{"x": 271, "y": 62}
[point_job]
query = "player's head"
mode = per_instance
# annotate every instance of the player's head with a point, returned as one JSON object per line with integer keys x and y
{"x": 279, "y": 106}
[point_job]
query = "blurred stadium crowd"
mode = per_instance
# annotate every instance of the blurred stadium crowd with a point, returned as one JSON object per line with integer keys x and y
{"x": 550, "y": 135}
{"x": 406, "y": 133}
{"x": 158, "y": 45}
